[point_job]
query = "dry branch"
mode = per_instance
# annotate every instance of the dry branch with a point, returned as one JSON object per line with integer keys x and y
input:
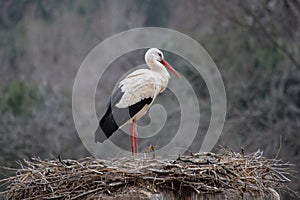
{"x": 200, "y": 173}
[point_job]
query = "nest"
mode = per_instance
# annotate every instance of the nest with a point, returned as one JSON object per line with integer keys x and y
{"x": 199, "y": 173}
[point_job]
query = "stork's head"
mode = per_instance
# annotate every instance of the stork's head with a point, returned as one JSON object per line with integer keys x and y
{"x": 155, "y": 59}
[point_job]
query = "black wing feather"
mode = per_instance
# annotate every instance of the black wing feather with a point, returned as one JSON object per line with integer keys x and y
{"x": 115, "y": 117}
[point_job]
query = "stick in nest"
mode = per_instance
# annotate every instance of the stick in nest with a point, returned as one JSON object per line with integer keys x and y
{"x": 199, "y": 172}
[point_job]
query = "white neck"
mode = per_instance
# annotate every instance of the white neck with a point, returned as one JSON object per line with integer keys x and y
{"x": 160, "y": 68}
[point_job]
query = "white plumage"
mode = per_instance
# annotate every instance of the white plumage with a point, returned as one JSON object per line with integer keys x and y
{"x": 139, "y": 85}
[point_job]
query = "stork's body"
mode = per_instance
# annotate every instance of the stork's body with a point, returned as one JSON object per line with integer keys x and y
{"x": 134, "y": 96}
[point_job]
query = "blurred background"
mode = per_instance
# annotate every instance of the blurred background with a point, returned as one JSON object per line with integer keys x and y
{"x": 255, "y": 45}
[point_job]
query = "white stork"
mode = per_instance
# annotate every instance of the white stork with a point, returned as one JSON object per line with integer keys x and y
{"x": 134, "y": 97}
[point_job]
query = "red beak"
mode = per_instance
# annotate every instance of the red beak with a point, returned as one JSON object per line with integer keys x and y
{"x": 167, "y": 65}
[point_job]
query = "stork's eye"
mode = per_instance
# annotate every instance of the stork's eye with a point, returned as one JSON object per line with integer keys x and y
{"x": 160, "y": 55}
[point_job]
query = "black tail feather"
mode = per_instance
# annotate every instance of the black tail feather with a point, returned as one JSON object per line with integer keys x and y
{"x": 100, "y": 135}
{"x": 107, "y": 126}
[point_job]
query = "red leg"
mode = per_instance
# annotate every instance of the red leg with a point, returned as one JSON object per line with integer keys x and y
{"x": 132, "y": 138}
{"x": 136, "y": 138}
